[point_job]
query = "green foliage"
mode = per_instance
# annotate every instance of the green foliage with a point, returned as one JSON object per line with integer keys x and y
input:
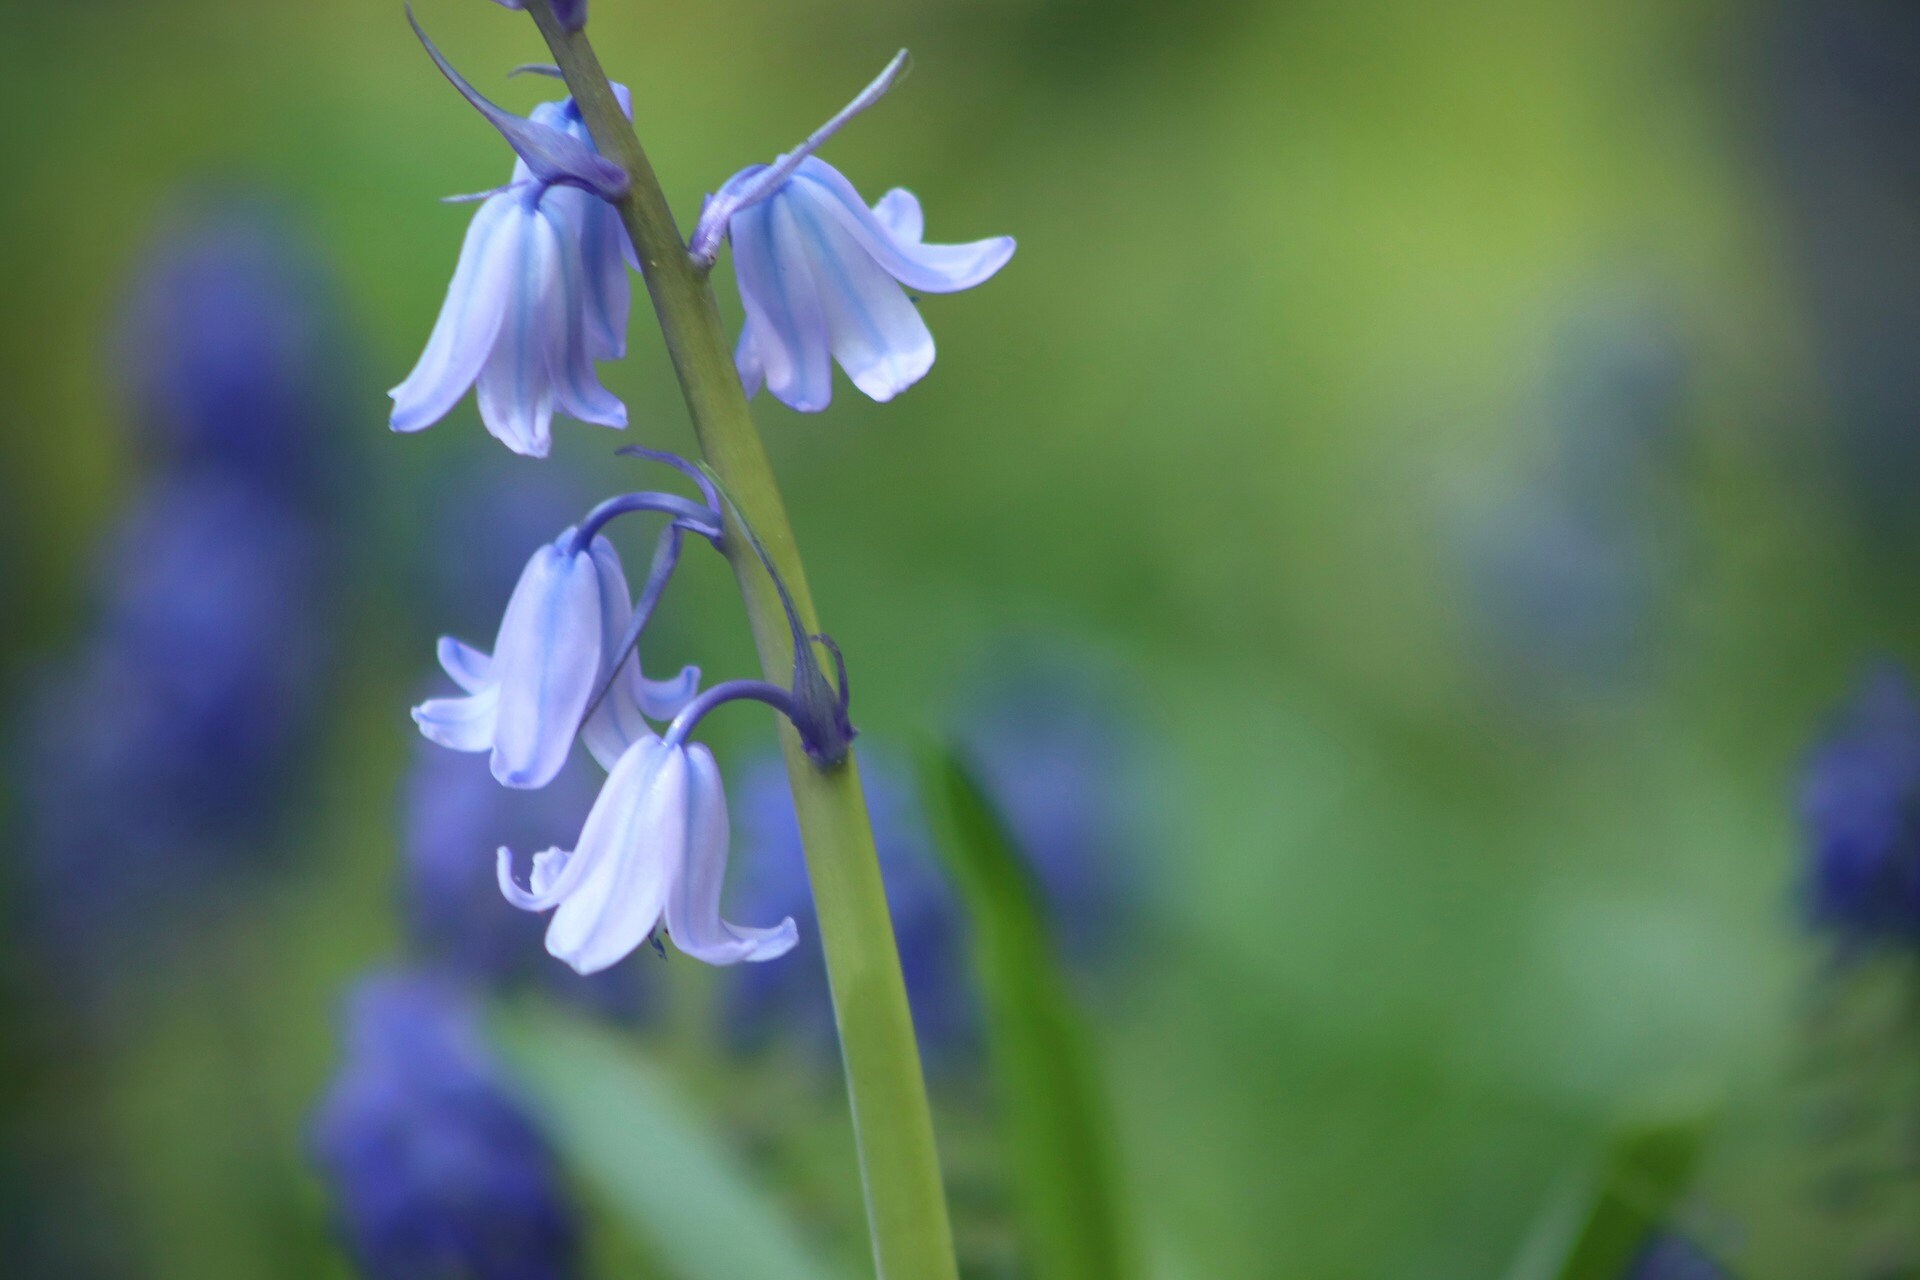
{"x": 1605, "y": 1217}
{"x": 1056, "y": 1126}
{"x": 667, "y": 1174}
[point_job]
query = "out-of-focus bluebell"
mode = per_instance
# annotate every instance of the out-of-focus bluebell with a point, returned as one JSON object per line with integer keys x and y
{"x": 1054, "y": 747}
{"x": 1672, "y": 1257}
{"x": 540, "y": 293}
{"x": 821, "y": 274}
{"x": 435, "y": 1166}
{"x": 927, "y": 921}
{"x": 1840, "y": 89}
{"x": 163, "y": 751}
{"x": 653, "y": 850}
{"x": 1860, "y": 812}
{"x": 232, "y": 353}
{"x": 1565, "y": 569}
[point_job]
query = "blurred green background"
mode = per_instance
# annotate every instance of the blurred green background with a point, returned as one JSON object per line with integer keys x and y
{"x": 1440, "y": 417}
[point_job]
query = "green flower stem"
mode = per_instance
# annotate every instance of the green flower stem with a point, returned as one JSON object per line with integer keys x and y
{"x": 893, "y": 1129}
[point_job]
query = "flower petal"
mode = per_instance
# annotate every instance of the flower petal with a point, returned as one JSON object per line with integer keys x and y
{"x": 875, "y": 332}
{"x": 665, "y": 699}
{"x": 576, "y": 386}
{"x": 547, "y": 661}
{"x": 929, "y": 268}
{"x": 632, "y": 847}
{"x": 782, "y": 302}
{"x": 463, "y": 336}
{"x": 693, "y": 906}
{"x": 899, "y": 212}
{"x": 609, "y": 291}
{"x": 467, "y": 666}
{"x": 516, "y": 394}
{"x": 746, "y": 361}
{"x": 464, "y": 724}
{"x": 616, "y": 723}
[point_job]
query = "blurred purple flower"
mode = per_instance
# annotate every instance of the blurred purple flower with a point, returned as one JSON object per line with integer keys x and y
{"x": 1066, "y": 768}
{"x": 232, "y": 349}
{"x": 1860, "y": 810}
{"x": 435, "y": 1165}
{"x": 1672, "y": 1257}
{"x": 186, "y": 708}
{"x": 927, "y": 922}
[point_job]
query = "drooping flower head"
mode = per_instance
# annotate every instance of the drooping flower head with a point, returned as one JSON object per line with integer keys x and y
{"x": 539, "y": 294}
{"x": 824, "y": 278}
{"x": 1860, "y": 810}
{"x": 560, "y": 638}
{"x": 435, "y": 1166}
{"x": 653, "y": 851}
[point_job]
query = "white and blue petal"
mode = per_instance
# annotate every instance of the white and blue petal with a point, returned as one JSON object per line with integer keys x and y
{"x": 546, "y": 661}
{"x": 462, "y": 724}
{"x": 465, "y": 665}
{"x": 693, "y": 905}
{"x": 873, "y": 330}
{"x": 614, "y": 888}
{"x": 515, "y": 389}
{"x": 470, "y": 318}
{"x": 928, "y": 268}
{"x": 782, "y": 301}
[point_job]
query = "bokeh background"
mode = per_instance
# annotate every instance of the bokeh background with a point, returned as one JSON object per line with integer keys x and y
{"x": 1395, "y": 531}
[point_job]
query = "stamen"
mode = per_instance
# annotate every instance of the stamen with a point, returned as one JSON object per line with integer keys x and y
{"x": 719, "y": 211}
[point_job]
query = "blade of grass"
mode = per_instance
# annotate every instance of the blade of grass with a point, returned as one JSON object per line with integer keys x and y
{"x": 1605, "y": 1217}
{"x": 1056, "y": 1130}
{"x": 619, "y": 1125}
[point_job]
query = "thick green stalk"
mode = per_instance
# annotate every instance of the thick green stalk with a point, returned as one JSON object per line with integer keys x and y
{"x": 892, "y": 1127}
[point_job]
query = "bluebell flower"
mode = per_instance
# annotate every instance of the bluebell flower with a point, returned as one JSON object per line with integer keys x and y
{"x": 539, "y": 294}
{"x": 821, "y": 279}
{"x": 231, "y": 351}
{"x": 654, "y": 848}
{"x": 1860, "y": 810}
{"x": 821, "y": 274}
{"x": 928, "y": 924}
{"x": 435, "y": 1165}
{"x": 560, "y": 633}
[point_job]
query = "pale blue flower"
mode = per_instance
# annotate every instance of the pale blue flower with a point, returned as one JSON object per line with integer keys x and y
{"x": 821, "y": 279}
{"x": 654, "y": 848}
{"x": 539, "y": 294}
{"x": 821, "y": 274}
{"x": 558, "y": 637}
